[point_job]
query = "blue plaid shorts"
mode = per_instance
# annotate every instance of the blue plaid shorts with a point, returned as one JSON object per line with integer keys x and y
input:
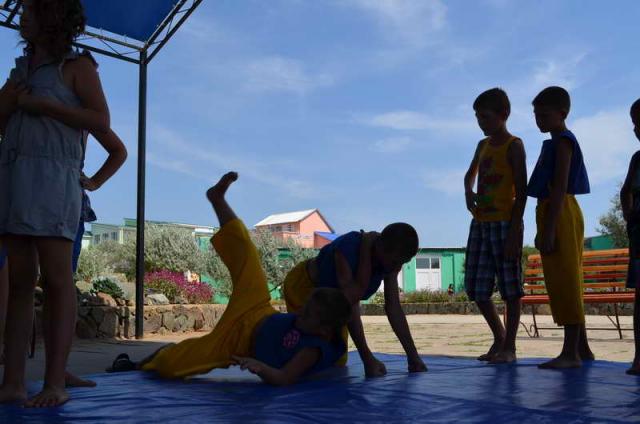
{"x": 485, "y": 264}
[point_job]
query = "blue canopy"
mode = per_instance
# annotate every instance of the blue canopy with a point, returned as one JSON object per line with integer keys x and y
{"x": 328, "y": 236}
{"x": 137, "y": 19}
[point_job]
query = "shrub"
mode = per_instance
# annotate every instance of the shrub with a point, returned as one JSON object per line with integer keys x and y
{"x": 108, "y": 286}
{"x": 423, "y": 296}
{"x": 427, "y": 296}
{"x": 377, "y": 298}
{"x": 91, "y": 264}
{"x": 173, "y": 284}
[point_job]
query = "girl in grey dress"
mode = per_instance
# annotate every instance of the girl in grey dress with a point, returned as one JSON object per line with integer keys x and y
{"x": 53, "y": 94}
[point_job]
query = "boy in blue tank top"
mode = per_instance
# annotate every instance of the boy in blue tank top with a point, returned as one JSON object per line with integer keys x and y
{"x": 369, "y": 259}
{"x": 279, "y": 348}
{"x": 630, "y": 202}
{"x": 560, "y": 175}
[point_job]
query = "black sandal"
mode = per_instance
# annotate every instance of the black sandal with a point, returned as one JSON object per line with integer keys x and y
{"x": 122, "y": 363}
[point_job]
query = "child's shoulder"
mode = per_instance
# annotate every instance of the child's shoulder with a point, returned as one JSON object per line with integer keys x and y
{"x": 81, "y": 61}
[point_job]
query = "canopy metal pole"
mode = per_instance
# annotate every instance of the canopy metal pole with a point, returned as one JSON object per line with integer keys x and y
{"x": 142, "y": 148}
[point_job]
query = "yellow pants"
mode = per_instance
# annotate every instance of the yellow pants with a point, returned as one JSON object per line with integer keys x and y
{"x": 249, "y": 304}
{"x": 562, "y": 268}
{"x": 297, "y": 288}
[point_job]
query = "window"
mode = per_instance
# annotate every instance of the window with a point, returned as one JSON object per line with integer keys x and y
{"x": 105, "y": 237}
{"x": 423, "y": 263}
{"x": 435, "y": 263}
{"x": 114, "y": 236}
{"x": 288, "y": 228}
{"x": 428, "y": 262}
{"x": 96, "y": 239}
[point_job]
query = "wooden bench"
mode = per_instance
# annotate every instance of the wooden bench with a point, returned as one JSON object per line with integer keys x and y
{"x": 605, "y": 274}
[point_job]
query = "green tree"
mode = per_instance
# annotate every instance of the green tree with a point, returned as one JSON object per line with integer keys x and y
{"x": 612, "y": 223}
{"x": 215, "y": 268}
{"x": 92, "y": 264}
{"x": 274, "y": 264}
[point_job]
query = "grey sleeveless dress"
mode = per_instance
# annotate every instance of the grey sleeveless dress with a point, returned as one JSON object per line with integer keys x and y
{"x": 40, "y": 161}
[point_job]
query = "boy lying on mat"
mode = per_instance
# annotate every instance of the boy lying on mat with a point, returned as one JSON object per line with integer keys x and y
{"x": 279, "y": 348}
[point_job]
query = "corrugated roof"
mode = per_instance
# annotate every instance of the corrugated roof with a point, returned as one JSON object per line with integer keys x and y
{"x": 284, "y": 218}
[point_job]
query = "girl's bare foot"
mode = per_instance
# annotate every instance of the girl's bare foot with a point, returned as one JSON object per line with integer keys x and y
{"x": 71, "y": 380}
{"x": 561, "y": 362}
{"x": 10, "y": 394}
{"x": 218, "y": 191}
{"x": 504, "y": 357}
{"x": 587, "y": 355}
{"x": 493, "y": 351}
{"x": 635, "y": 368}
{"x": 49, "y": 397}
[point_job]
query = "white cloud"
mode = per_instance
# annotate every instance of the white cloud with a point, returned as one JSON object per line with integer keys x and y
{"x": 258, "y": 170}
{"x": 562, "y": 72}
{"x": 448, "y": 181}
{"x": 392, "y": 145}
{"x": 412, "y": 21}
{"x": 180, "y": 166}
{"x": 411, "y": 120}
{"x": 607, "y": 142}
{"x": 283, "y": 74}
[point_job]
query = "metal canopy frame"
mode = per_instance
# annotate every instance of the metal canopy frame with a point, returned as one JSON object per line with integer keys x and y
{"x": 140, "y": 53}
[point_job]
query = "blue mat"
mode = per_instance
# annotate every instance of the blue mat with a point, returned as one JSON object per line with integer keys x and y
{"x": 457, "y": 390}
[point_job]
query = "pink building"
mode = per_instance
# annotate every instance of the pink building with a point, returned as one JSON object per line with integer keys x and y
{"x": 307, "y": 228}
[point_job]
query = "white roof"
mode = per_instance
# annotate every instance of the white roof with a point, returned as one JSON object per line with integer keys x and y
{"x": 285, "y": 218}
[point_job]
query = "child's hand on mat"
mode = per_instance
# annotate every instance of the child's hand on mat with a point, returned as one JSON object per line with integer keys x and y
{"x": 470, "y": 198}
{"x": 416, "y": 365}
{"x": 374, "y": 368}
{"x": 253, "y": 365}
{"x": 88, "y": 183}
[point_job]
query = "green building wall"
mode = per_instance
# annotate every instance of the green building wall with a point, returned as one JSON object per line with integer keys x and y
{"x": 451, "y": 269}
{"x": 602, "y": 242}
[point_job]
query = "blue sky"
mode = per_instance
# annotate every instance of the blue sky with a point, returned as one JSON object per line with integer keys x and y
{"x": 363, "y": 108}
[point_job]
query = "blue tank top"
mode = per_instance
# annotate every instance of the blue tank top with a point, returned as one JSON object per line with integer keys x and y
{"x": 635, "y": 183}
{"x": 349, "y": 245}
{"x": 545, "y": 167}
{"x": 3, "y": 256}
{"x": 278, "y": 341}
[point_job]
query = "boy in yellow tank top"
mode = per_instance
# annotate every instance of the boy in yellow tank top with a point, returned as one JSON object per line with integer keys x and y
{"x": 494, "y": 247}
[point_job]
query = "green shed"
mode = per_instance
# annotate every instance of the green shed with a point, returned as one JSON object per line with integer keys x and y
{"x": 434, "y": 268}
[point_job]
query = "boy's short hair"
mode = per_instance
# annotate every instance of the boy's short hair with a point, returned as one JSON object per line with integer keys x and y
{"x": 555, "y": 97}
{"x": 400, "y": 238}
{"x": 333, "y": 306}
{"x": 635, "y": 108}
{"x": 495, "y": 99}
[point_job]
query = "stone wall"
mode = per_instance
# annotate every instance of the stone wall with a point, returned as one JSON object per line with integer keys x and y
{"x": 119, "y": 321}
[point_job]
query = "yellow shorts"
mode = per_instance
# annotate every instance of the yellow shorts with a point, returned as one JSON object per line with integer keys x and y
{"x": 562, "y": 269}
{"x": 249, "y": 304}
{"x": 297, "y": 288}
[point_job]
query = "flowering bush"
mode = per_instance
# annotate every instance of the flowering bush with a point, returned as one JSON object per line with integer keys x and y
{"x": 173, "y": 284}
